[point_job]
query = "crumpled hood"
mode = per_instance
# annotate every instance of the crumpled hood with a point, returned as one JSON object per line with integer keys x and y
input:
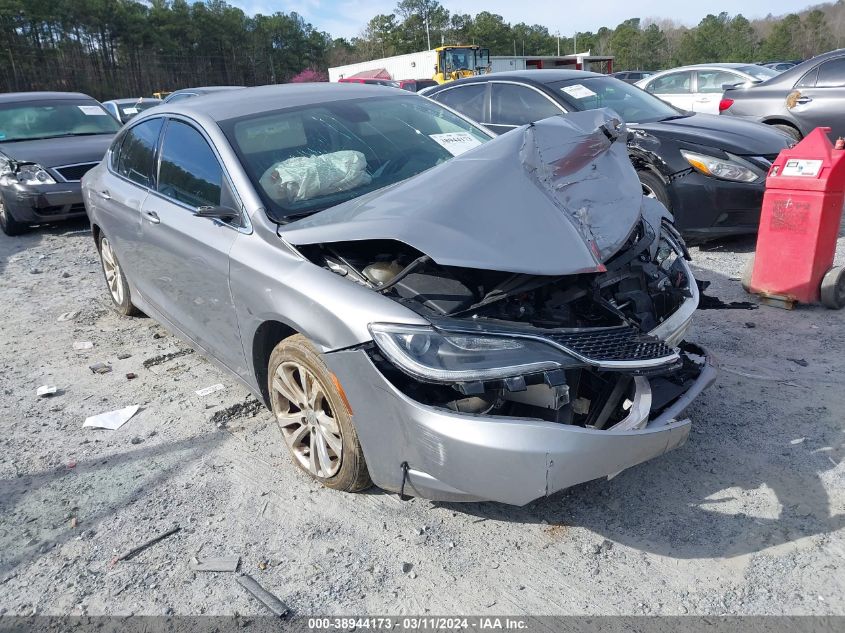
{"x": 556, "y": 197}
{"x": 744, "y": 138}
{"x": 54, "y": 152}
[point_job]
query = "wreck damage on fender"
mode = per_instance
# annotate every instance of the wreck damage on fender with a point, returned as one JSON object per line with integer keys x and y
{"x": 547, "y": 302}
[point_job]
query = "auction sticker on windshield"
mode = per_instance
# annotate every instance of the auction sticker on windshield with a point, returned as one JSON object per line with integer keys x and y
{"x": 578, "y": 91}
{"x": 92, "y": 110}
{"x": 456, "y": 143}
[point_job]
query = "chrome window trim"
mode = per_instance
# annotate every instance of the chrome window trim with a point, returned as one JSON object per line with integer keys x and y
{"x": 246, "y": 227}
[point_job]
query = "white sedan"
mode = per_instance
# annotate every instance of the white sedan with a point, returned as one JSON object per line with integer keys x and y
{"x": 699, "y": 88}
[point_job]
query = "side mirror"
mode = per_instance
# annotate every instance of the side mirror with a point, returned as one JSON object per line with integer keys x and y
{"x": 225, "y": 214}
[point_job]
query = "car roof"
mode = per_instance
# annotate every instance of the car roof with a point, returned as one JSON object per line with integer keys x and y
{"x": 14, "y": 97}
{"x": 717, "y": 65}
{"x": 539, "y": 76}
{"x": 204, "y": 89}
{"x": 224, "y": 105}
{"x": 125, "y": 100}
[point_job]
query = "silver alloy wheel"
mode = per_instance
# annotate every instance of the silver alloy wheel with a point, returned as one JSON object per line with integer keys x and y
{"x": 648, "y": 192}
{"x": 306, "y": 419}
{"x": 114, "y": 276}
{"x": 2, "y": 209}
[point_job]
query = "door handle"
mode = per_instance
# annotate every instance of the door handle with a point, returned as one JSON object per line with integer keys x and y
{"x": 152, "y": 217}
{"x": 104, "y": 194}
{"x": 803, "y": 100}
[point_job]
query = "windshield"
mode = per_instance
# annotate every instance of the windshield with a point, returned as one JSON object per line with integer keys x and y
{"x": 631, "y": 103}
{"x": 760, "y": 73}
{"x": 38, "y": 120}
{"x": 303, "y": 160}
{"x": 128, "y": 109}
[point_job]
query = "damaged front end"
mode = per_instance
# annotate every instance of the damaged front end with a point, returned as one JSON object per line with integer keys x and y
{"x": 584, "y": 336}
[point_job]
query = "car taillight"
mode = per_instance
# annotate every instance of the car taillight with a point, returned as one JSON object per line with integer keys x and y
{"x": 724, "y": 104}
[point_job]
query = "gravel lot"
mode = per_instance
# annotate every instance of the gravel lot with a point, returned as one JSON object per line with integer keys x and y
{"x": 746, "y": 518}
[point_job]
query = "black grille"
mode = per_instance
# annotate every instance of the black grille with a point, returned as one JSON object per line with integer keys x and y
{"x": 73, "y": 173}
{"x": 613, "y": 345}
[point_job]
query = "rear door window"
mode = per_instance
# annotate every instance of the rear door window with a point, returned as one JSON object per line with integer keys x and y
{"x": 468, "y": 100}
{"x": 135, "y": 157}
{"x": 189, "y": 171}
{"x": 832, "y": 74}
{"x": 710, "y": 81}
{"x": 517, "y": 105}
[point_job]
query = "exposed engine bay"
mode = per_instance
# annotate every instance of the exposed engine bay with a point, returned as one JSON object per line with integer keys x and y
{"x": 617, "y": 375}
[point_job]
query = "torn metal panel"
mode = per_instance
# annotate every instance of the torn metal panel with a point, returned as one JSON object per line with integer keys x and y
{"x": 554, "y": 198}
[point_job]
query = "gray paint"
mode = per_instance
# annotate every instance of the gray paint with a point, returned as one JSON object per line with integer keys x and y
{"x": 558, "y": 197}
{"x": 215, "y": 284}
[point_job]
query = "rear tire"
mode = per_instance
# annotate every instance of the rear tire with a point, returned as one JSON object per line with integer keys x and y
{"x": 788, "y": 129}
{"x": 9, "y": 225}
{"x": 313, "y": 417}
{"x": 115, "y": 279}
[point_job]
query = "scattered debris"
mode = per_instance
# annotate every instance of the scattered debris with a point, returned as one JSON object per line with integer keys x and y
{"x": 68, "y": 316}
{"x": 137, "y": 550}
{"x": 100, "y": 367}
{"x": 262, "y": 565}
{"x": 261, "y": 514}
{"x": 45, "y": 391}
{"x": 112, "y": 420}
{"x": 799, "y": 440}
{"x": 65, "y": 274}
{"x": 406, "y": 567}
{"x": 220, "y": 563}
{"x": 83, "y": 345}
{"x": 247, "y": 408}
{"x": 73, "y": 522}
{"x": 131, "y": 376}
{"x": 750, "y": 324}
{"x": 799, "y": 361}
{"x": 71, "y": 463}
{"x": 163, "y": 358}
{"x": 136, "y": 440}
{"x": 263, "y": 596}
{"x": 209, "y": 390}
{"x": 124, "y": 355}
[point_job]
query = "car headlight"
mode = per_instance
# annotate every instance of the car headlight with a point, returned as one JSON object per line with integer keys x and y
{"x": 433, "y": 356}
{"x": 731, "y": 168}
{"x": 32, "y": 174}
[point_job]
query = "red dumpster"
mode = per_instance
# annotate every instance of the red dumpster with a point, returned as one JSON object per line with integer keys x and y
{"x": 799, "y": 225}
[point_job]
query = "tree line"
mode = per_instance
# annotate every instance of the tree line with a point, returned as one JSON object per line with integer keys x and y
{"x": 118, "y": 48}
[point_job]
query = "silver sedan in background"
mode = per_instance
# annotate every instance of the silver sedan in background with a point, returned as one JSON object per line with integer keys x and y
{"x": 422, "y": 306}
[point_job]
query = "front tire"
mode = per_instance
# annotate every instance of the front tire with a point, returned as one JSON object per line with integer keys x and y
{"x": 653, "y": 187}
{"x": 788, "y": 129}
{"x": 9, "y": 225}
{"x": 313, "y": 417}
{"x": 115, "y": 279}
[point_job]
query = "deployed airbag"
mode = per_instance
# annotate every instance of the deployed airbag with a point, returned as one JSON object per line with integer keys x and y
{"x": 305, "y": 177}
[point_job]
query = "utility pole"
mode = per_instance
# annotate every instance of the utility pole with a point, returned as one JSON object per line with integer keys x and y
{"x": 558, "y": 42}
{"x": 575, "y": 44}
{"x": 427, "y": 31}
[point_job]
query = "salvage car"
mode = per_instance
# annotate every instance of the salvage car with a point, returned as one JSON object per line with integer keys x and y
{"x": 423, "y": 306}
{"x": 709, "y": 172}
{"x": 796, "y": 101}
{"x": 125, "y": 109}
{"x": 699, "y": 88}
{"x": 48, "y": 140}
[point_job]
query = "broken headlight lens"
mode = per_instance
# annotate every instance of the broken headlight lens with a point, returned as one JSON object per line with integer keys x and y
{"x": 452, "y": 357}
{"x": 731, "y": 168}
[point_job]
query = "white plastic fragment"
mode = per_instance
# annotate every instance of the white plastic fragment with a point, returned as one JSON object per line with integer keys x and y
{"x": 68, "y": 316}
{"x": 112, "y": 420}
{"x": 46, "y": 390}
{"x": 209, "y": 390}
{"x": 82, "y": 345}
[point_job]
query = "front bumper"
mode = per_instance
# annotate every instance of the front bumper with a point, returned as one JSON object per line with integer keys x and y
{"x": 39, "y": 204}
{"x": 709, "y": 207}
{"x": 462, "y": 457}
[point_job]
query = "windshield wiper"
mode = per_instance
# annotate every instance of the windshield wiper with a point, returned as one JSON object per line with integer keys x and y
{"x": 44, "y": 138}
{"x": 677, "y": 116}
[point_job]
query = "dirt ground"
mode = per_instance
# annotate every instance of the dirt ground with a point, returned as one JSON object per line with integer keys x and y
{"x": 746, "y": 518}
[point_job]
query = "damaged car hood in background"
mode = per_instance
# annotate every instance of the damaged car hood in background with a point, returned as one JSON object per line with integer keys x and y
{"x": 556, "y": 197}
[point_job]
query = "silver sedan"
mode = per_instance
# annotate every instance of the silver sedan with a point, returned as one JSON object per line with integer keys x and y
{"x": 423, "y": 306}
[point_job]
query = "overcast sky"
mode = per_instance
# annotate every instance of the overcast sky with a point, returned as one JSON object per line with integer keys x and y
{"x": 346, "y": 18}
